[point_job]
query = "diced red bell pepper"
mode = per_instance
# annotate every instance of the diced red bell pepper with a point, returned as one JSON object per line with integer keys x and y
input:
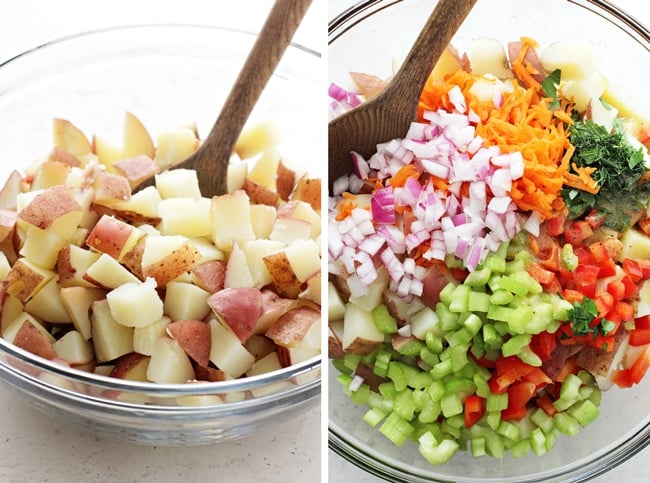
{"x": 518, "y": 396}
{"x": 644, "y": 224}
{"x": 572, "y": 295}
{"x": 474, "y": 409}
{"x": 598, "y": 251}
{"x": 554, "y": 226}
{"x": 617, "y": 290}
{"x": 623, "y": 378}
{"x": 539, "y": 273}
{"x": 585, "y": 276}
{"x": 631, "y": 288}
{"x": 508, "y": 371}
{"x": 640, "y": 366}
{"x": 625, "y": 311}
{"x": 543, "y": 345}
{"x": 607, "y": 268}
{"x": 637, "y": 269}
{"x": 594, "y": 219}
{"x": 537, "y": 377}
{"x": 576, "y": 232}
{"x": 546, "y": 404}
{"x": 639, "y": 337}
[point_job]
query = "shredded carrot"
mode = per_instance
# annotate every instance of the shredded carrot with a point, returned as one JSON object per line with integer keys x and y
{"x": 521, "y": 68}
{"x": 403, "y": 174}
{"x": 582, "y": 180}
{"x": 346, "y": 205}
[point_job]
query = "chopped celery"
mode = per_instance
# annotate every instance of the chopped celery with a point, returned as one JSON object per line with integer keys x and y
{"x": 478, "y": 277}
{"x": 508, "y": 430}
{"x": 411, "y": 347}
{"x": 446, "y": 293}
{"x": 451, "y": 405}
{"x": 457, "y": 421}
{"x": 493, "y": 419}
{"x": 448, "y": 319}
{"x": 387, "y": 390}
{"x": 374, "y": 416}
{"x": 459, "y": 299}
{"x": 491, "y": 337}
{"x": 478, "y": 302}
{"x": 529, "y": 357}
{"x": 494, "y": 445}
{"x": 429, "y": 357}
{"x": 494, "y": 263}
{"x": 453, "y": 431}
{"x": 478, "y": 447}
{"x": 565, "y": 423}
{"x": 570, "y": 387}
{"x": 380, "y": 368}
{"x": 568, "y": 258}
{"x": 437, "y": 390}
{"x": 482, "y": 387}
{"x": 538, "y": 442}
{"x": 584, "y": 412}
{"x": 430, "y": 411}
{"x": 520, "y": 448}
{"x": 421, "y": 380}
{"x": 434, "y": 343}
{"x": 351, "y": 361}
{"x": 404, "y": 405}
{"x": 501, "y": 297}
{"x": 542, "y": 420}
{"x": 461, "y": 386}
{"x": 396, "y": 428}
{"x": 513, "y": 345}
{"x": 440, "y": 453}
{"x": 458, "y": 357}
{"x": 473, "y": 324}
{"x": 496, "y": 402}
{"x": 384, "y": 321}
{"x": 360, "y": 396}
{"x": 458, "y": 337}
{"x": 442, "y": 369}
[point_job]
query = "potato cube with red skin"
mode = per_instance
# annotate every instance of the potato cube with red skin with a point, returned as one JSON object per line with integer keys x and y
{"x": 284, "y": 181}
{"x": 309, "y": 191}
{"x": 273, "y": 306}
{"x": 55, "y": 204}
{"x": 227, "y": 352}
{"x": 293, "y": 328}
{"x": 109, "y": 186}
{"x": 131, "y": 366}
{"x": 72, "y": 263}
{"x": 194, "y": 337}
{"x": 113, "y": 237}
{"x": 27, "y": 333}
{"x": 284, "y": 279}
{"x": 238, "y": 308}
{"x": 166, "y": 257}
{"x": 136, "y": 169}
{"x": 69, "y": 137}
{"x": 210, "y": 275}
{"x": 7, "y": 223}
{"x": 25, "y": 279}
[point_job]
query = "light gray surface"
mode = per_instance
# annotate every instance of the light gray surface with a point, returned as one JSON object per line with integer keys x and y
{"x": 633, "y": 471}
{"x": 36, "y": 448}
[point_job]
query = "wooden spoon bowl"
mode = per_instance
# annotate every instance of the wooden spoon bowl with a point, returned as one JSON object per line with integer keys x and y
{"x": 388, "y": 115}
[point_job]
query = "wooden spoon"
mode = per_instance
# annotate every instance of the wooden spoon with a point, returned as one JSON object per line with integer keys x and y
{"x": 388, "y": 115}
{"x": 212, "y": 157}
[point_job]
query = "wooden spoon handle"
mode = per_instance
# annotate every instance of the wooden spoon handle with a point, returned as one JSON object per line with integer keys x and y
{"x": 433, "y": 39}
{"x": 285, "y": 17}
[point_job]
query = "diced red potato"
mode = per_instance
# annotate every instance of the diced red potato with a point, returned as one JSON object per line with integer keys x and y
{"x": 210, "y": 275}
{"x": 239, "y": 308}
{"x": 194, "y": 337}
{"x": 294, "y": 327}
{"x": 104, "y": 264}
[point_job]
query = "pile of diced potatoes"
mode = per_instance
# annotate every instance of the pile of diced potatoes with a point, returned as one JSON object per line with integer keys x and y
{"x": 163, "y": 283}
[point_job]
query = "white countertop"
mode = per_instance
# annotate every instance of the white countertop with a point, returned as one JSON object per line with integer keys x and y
{"x": 36, "y": 448}
{"x": 635, "y": 470}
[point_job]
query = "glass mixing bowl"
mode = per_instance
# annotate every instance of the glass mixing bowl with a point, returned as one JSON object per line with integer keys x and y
{"x": 368, "y": 38}
{"x": 168, "y": 76}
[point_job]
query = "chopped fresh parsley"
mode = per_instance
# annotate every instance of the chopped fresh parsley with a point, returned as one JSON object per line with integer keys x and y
{"x": 549, "y": 86}
{"x": 619, "y": 173}
{"x": 581, "y": 317}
